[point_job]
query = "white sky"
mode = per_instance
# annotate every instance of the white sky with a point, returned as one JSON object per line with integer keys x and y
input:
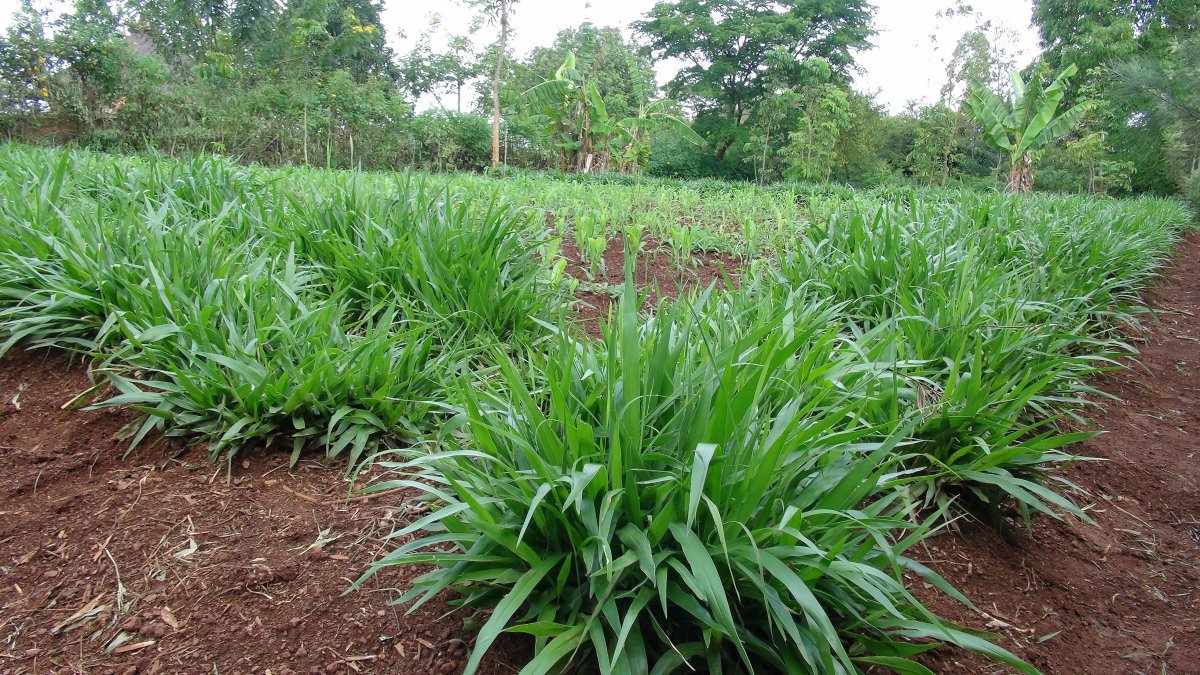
{"x": 907, "y": 62}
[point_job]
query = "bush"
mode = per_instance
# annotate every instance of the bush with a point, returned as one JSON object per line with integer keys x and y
{"x": 673, "y": 156}
{"x": 444, "y": 140}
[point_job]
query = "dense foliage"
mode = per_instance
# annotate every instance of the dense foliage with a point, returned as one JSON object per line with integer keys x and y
{"x": 236, "y": 305}
{"x": 729, "y": 46}
{"x": 765, "y": 85}
{"x": 1103, "y": 38}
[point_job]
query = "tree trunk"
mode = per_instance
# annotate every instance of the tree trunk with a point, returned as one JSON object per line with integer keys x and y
{"x": 583, "y": 157}
{"x": 725, "y": 145}
{"x": 762, "y": 174}
{"x": 1020, "y": 176}
{"x": 496, "y": 84}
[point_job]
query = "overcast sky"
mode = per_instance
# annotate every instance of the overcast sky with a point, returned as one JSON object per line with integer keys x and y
{"x": 907, "y": 62}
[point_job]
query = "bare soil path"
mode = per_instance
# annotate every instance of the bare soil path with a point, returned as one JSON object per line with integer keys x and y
{"x": 162, "y": 562}
{"x": 1123, "y": 595}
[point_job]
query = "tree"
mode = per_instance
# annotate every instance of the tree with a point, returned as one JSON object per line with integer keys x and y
{"x": 26, "y": 62}
{"x": 728, "y": 43}
{"x": 1170, "y": 96}
{"x": 651, "y": 118}
{"x": 252, "y": 22}
{"x": 426, "y": 71}
{"x": 1091, "y": 156}
{"x": 603, "y": 56}
{"x": 981, "y": 55}
{"x": 935, "y": 144}
{"x": 269, "y": 37}
{"x": 89, "y": 44}
{"x": 1086, "y": 160}
{"x": 772, "y": 113}
{"x": 357, "y": 42}
{"x": 824, "y": 114}
{"x": 1025, "y": 123}
{"x": 583, "y": 128}
{"x": 180, "y": 29}
{"x": 637, "y": 131}
{"x": 459, "y": 64}
{"x": 1097, "y": 36}
{"x": 808, "y": 117}
{"x": 498, "y": 11}
{"x": 1099, "y": 33}
{"x": 858, "y": 158}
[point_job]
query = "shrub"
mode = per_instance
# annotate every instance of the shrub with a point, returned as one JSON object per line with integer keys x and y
{"x": 672, "y": 156}
{"x": 444, "y": 140}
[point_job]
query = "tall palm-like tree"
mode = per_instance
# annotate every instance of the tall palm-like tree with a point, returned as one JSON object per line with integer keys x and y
{"x": 1026, "y": 122}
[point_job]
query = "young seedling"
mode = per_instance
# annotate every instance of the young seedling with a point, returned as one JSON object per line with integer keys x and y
{"x": 751, "y": 232}
{"x": 595, "y": 256}
{"x": 681, "y": 242}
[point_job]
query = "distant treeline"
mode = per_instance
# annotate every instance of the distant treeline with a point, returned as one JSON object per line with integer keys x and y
{"x": 767, "y": 96}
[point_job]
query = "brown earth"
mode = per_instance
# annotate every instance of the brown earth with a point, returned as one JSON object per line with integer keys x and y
{"x": 164, "y": 562}
{"x": 657, "y": 272}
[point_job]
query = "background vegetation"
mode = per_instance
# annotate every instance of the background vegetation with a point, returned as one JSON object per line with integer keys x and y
{"x": 765, "y": 86}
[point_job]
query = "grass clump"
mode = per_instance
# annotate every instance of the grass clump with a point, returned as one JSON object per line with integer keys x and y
{"x": 659, "y": 499}
{"x": 993, "y": 335}
{"x": 470, "y": 267}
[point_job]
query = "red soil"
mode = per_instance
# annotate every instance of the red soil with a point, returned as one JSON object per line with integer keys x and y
{"x": 657, "y": 272}
{"x": 203, "y": 568}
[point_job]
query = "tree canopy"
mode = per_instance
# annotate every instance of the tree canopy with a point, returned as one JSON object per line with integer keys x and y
{"x": 728, "y": 42}
{"x": 1098, "y": 36}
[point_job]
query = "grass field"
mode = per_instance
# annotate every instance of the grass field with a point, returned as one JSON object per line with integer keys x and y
{"x": 730, "y": 477}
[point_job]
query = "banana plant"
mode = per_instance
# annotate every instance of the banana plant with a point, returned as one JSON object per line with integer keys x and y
{"x": 572, "y": 113}
{"x": 635, "y": 132}
{"x": 1026, "y": 122}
